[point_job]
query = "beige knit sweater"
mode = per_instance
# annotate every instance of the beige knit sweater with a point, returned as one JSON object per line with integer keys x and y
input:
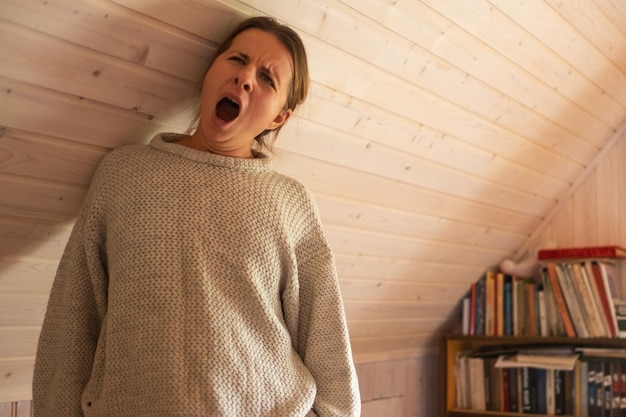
{"x": 194, "y": 285}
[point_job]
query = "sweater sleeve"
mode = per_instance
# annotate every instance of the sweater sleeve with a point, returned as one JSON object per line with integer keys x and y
{"x": 73, "y": 318}
{"x": 323, "y": 342}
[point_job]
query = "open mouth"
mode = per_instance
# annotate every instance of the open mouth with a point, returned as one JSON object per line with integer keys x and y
{"x": 227, "y": 110}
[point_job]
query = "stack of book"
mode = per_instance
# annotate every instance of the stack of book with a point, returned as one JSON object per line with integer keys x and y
{"x": 559, "y": 380}
{"x": 577, "y": 293}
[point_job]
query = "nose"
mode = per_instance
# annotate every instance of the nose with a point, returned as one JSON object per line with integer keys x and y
{"x": 244, "y": 79}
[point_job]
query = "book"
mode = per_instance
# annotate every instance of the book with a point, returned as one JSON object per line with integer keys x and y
{"x": 499, "y": 322}
{"x": 605, "y": 298}
{"x": 608, "y": 388}
{"x": 479, "y": 308}
{"x": 550, "y": 398}
{"x": 530, "y": 292}
{"x": 597, "y": 298}
{"x": 586, "y": 301}
{"x": 520, "y": 307}
{"x": 472, "y": 307}
{"x": 541, "y": 391}
{"x": 508, "y": 305}
{"x": 513, "y": 390}
{"x": 606, "y": 251}
{"x": 477, "y": 383}
{"x": 462, "y": 382}
{"x": 490, "y": 304}
{"x": 555, "y": 322}
{"x": 616, "y": 388}
{"x": 571, "y": 300}
{"x": 560, "y": 300}
{"x": 526, "y": 391}
{"x": 622, "y": 405}
{"x": 559, "y": 392}
{"x": 583, "y": 378}
{"x": 465, "y": 315}
{"x": 543, "y": 319}
{"x": 591, "y": 388}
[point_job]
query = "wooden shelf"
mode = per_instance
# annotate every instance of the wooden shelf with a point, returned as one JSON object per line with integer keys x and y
{"x": 455, "y": 343}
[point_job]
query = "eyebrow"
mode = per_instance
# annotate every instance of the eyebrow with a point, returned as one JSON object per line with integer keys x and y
{"x": 266, "y": 69}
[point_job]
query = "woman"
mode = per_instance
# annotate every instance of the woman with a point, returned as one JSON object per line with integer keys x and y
{"x": 197, "y": 281}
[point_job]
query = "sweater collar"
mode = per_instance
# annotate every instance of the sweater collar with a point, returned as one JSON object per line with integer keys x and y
{"x": 166, "y": 142}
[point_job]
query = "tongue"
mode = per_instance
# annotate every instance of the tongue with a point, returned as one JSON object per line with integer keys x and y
{"x": 227, "y": 110}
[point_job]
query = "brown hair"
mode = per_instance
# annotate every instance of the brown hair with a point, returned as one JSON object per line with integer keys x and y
{"x": 291, "y": 40}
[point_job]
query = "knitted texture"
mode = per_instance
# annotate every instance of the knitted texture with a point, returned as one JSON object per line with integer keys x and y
{"x": 194, "y": 285}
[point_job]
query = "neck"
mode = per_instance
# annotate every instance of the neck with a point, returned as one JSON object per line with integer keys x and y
{"x": 199, "y": 143}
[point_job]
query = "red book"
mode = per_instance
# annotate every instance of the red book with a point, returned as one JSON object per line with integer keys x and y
{"x": 607, "y": 251}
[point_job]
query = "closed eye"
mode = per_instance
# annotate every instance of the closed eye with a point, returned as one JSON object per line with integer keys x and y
{"x": 238, "y": 59}
{"x": 267, "y": 78}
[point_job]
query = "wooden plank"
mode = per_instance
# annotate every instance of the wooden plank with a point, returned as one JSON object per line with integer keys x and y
{"x": 373, "y": 345}
{"x": 357, "y": 242}
{"x": 338, "y": 180}
{"x": 485, "y": 158}
{"x": 31, "y": 239}
{"x": 588, "y": 19}
{"x": 116, "y": 31}
{"x": 390, "y": 327}
{"x": 51, "y": 113}
{"x": 377, "y": 267}
{"x": 366, "y": 217}
{"x": 36, "y": 198}
{"x": 358, "y": 36}
{"x": 401, "y": 97}
{"x": 26, "y": 275}
{"x": 390, "y": 407}
{"x": 325, "y": 144}
{"x": 209, "y": 20}
{"x": 16, "y": 342}
{"x": 615, "y": 10}
{"x": 379, "y": 290}
{"x": 538, "y": 18}
{"x": 23, "y": 409}
{"x": 39, "y": 156}
{"x": 429, "y": 26}
{"x": 371, "y": 310}
{"x": 16, "y": 379}
{"x": 99, "y": 77}
{"x": 22, "y": 310}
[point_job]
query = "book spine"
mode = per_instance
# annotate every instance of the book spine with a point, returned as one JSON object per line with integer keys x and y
{"x": 499, "y": 322}
{"x": 582, "y": 252}
{"x": 560, "y": 300}
{"x": 571, "y": 301}
{"x": 508, "y": 305}
{"x": 513, "y": 390}
{"x": 608, "y": 388}
{"x": 559, "y": 392}
{"x": 479, "y": 315}
{"x": 526, "y": 400}
{"x": 490, "y": 304}
{"x": 592, "y": 324}
{"x": 541, "y": 391}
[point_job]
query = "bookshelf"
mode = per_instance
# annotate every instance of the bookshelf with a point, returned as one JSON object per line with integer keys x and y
{"x": 540, "y": 323}
{"x": 458, "y": 343}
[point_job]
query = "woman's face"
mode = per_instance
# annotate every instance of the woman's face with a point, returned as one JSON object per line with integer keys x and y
{"x": 244, "y": 93}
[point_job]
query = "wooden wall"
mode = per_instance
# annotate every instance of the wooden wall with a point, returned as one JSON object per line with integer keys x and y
{"x": 439, "y": 138}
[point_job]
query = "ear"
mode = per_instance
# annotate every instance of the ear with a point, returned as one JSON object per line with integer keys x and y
{"x": 280, "y": 119}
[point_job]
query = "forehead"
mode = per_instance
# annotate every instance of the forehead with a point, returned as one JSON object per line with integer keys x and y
{"x": 262, "y": 46}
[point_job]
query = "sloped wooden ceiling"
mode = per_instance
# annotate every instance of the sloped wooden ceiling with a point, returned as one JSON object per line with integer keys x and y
{"x": 437, "y": 138}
